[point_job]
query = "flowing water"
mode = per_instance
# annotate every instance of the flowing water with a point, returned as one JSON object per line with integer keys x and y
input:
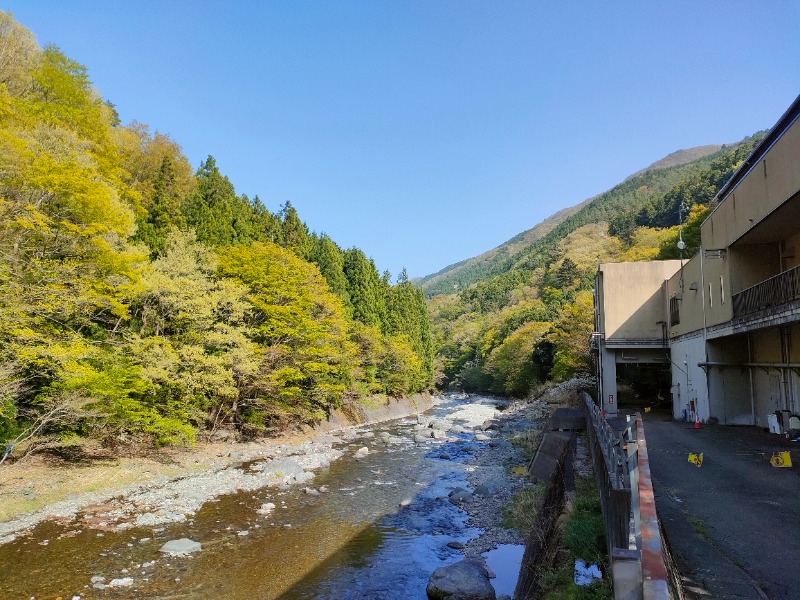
{"x": 379, "y": 532}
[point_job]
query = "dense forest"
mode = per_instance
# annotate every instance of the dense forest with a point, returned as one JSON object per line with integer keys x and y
{"x": 143, "y": 301}
{"x": 522, "y": 315}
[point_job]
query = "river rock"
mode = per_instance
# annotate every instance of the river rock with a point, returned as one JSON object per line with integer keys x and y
{"x": 310, "y": 491}
{"x": 440, "y": 424}
{"x": 421, "y": 438}
{"x": 180, "y": 547}
{"x": 465, "y": 580}
{"x": 361, "y": 452}
{"x": 266, "y": 508}
{"x": 484, "y": 491}
{"x": 120, "y": 582}
{"x": 459, "y": 495}
{"x": 283, "y": 468}
{"x": 482, "y": 437}
{"x": 439, "y": 434}
{"x": 304, "y": 477}
{"x": 147, "y": 519}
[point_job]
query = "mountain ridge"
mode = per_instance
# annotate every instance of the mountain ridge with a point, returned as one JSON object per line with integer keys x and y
{"x": 460, "y": 275}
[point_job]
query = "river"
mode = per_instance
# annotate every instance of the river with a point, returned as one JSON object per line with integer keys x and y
{"x": 372, "y": 526}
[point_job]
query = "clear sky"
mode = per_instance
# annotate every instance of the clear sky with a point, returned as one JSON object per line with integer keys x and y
{"x": 427, "y": 132}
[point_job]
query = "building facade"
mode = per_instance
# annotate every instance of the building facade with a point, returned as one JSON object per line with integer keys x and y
{"x": 630, "y": 326}
{"x": 732, "y": 312}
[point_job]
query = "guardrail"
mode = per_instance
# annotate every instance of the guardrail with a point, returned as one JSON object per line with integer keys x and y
{"x": 633, "y": 536}
{"x": 774, "y": 291}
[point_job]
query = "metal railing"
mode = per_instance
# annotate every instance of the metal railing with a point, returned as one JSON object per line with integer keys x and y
{"x": 633, "y": 536}
{"x": 612, "y": 475}
{"x": 774, "y": 291}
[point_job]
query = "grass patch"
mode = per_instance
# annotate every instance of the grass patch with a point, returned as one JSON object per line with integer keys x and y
{"x": 583, "y": 536}
{"x": 520, "y": 513}
{"x": 559, "y": 584}
{"x": 698, "y": 526}
{"x": 527, "y": 442}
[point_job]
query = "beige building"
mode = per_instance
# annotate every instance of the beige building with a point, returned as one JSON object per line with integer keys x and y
{"x": 732, "y": 311}
{"x": 630, "y": 326}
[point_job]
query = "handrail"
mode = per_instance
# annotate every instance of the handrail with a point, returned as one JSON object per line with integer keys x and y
{"x": 622, "y": 470}
{"x": 778, "y": 289}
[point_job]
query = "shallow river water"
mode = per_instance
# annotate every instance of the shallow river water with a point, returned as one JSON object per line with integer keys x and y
{"x": 378, "y": 532}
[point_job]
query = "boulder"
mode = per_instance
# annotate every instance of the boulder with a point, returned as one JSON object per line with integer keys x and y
{"x": 465, "y": 580}
{"x": 283, "y": 468}
{"x": 484, "y": 491}
{"x": 459, "y": 495}
{"x": 361, "y": 452}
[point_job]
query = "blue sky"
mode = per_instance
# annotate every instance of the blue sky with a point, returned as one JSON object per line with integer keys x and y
{"x": 427, "y": 132}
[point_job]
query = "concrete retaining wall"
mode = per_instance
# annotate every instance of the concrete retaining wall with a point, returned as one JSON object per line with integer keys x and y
{"x": 375, "y": 410}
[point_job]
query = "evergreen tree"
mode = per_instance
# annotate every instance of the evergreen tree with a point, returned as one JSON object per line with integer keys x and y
{"x": 330, "y": 260}
{"x": 163, "y": 212}
{"x": 365, "y": 289}
{"x": 295, "y": 233}
{"x": 209, "y": 211}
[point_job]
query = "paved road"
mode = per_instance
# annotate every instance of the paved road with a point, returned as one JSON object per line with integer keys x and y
{"x": 734, "y": 523}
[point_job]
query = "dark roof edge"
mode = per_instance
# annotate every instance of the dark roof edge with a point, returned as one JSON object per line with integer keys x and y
{"x": 774, "y": 134}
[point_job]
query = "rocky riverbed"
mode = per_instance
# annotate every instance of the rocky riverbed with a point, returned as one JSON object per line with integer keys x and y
{"x": 356, "y": 476}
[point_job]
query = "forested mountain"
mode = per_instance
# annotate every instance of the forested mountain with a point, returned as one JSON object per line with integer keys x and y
{"x": 522, "y": 314}
{"x": 467, "y": 272}
{"x": 144, "y": 301}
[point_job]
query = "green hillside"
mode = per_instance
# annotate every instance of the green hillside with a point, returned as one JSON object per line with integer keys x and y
{"x": 464, "y": 273}
{"x": 522, "y": 314}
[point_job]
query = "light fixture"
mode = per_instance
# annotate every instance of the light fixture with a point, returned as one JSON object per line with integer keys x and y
{"x": 693, "y": 286}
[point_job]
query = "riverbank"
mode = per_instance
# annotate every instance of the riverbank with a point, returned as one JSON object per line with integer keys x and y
{"x": 115, "y": 492}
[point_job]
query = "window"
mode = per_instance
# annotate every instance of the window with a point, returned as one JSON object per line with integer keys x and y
{"x": 721, "y": 290}
{"x": 674, "y": 311}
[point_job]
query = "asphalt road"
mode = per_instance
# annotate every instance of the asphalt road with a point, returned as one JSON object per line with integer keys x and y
{"x": 733, "y": 524}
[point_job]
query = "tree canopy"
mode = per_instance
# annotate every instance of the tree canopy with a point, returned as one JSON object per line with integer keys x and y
{"x": 144, "y": 301}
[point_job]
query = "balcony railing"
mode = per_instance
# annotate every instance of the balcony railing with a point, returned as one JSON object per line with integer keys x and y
{"x": 774, "y": 291}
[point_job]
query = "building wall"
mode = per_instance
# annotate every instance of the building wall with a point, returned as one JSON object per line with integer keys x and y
{"x": 688, "y": 379}
{"x": 730, "y": 397}
{"x": 690, "y": 302}
{"x": 632, "y": 299}
{"x": 792, "y": 252}
{"x": 768, "y": 184}
{"x": 754, "y": 264}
